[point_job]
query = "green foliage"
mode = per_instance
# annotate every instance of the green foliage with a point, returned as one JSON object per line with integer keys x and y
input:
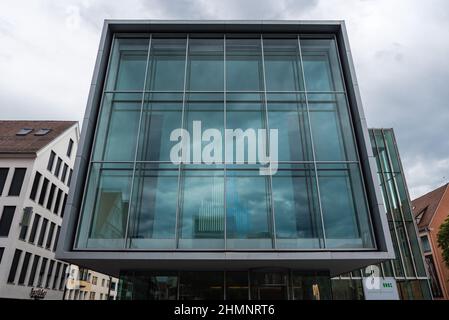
{"x": 443, "y": 240}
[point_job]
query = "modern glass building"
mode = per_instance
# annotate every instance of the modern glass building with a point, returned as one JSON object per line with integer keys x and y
{"x": 223, "y": 230}
{"x": 408, "y": 269}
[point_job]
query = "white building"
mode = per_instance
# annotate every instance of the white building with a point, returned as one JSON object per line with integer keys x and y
{"x": 36, "y": 163}
{"x": 84, "y": 284}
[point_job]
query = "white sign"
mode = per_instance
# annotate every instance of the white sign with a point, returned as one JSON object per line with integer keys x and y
{"x": 380, "y": 288}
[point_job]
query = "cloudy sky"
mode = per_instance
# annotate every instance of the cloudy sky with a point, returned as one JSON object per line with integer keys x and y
{"x": 400, "y": 49}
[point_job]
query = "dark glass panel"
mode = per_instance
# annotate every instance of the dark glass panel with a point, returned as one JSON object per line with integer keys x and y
{"x": 201, "y": 286}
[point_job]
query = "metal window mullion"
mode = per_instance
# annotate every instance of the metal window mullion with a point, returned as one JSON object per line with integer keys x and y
{"x": 312, "y": 144}
{"x": 399, "y": 205}
{"x": 225, "y": 207}
{"x": 267, "y": 140}
{"x": 178, "y": 202}
{"x": 125, "y": 242}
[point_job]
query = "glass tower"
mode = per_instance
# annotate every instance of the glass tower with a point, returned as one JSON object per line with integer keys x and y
{"x": 224, "y": 221}
{"x": 408, "y": 268}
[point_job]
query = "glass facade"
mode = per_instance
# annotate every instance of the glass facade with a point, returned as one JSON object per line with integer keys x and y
{"x": 408, "y": 268}
{"x": 135, "y": 198}
{"x": 281, "y": 284}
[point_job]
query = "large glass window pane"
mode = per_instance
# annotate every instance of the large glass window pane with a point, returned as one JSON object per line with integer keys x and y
{"x": 127, "y": 65}
{"x": 343, "y": 201}
{"x": 269, "y": 285}
{"x": 321, "y": 65}
{"x": 153, "y": 286}
{"x": 155, "y": 194}
{"x": 331, "y": 127}
{"x": 296, "y": 209}
{"x": 237, "y": 286}
{"x": 282, "y": 65}
{"x": 205, "y": 65}
{"x": 199, "y": 117}
{"x": 290, "y": 118}
{"x": 202, "y": 210}
{"x": 310, "y": 286}
{"x": 201, "y": 286}
{"x": 167, "y": 64}
{"x": 161, "y": 115}
{"x": 117, "y": 127}
{"x": 249, "y": 116}
{"x": 244, "y": 70}
{"x": 248, "y": 210}
{"x": 105, "y": 210}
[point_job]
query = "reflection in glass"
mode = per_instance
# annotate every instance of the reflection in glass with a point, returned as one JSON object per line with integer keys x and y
{"x": 282, "y": 65}
{"x": 118, "y": 126}
{"x": 201, "y": 286}
{"x": 127, "y": 65}
{"x": 308, "y": 287}
{"x": 296, "y": 209}
{"x": 269, "y": 285}
{"x": 202, "y": 210}
{"x": 237, "y": 285}
{"x": 248, "y": 212}
{"x": 249, "y": 117}
{"x": 331, "y": 128}
{"x": 344, "y": 207}
{"x": 159, "y": 119}
{"x": 205, "y": 65}
{"x": 244, "y": 65}
{"x": 321, "y": 65}
{"x": 105, "y": 209}
{"x": 291, "y": 121}
{"x": 154, "y": 207}
{"x": 166, "y": 65}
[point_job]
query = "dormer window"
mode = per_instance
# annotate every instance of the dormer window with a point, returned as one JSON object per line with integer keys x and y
{"x": 42, "y": 132}
{"x": 24, "y": 131}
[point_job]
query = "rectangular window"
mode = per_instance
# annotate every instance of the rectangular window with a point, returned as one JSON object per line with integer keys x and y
{"x": 202, "y": 210}
{"x": 49, "y": 273}
{"x": 57, "y": 274}
{"x": 50, "y": 235}
{"x": 34, "y": 228}
{"x": 2, "y": 249}
{"x": 105, "y": 210}
{"x": 154, "y": 211}
{"x": 63, "y": 205}
{"x": 3, "y": 176}
{"x": 69, "y": 148}
{"x": 43, "y": 231}
{"x": 51, "y": 160}
{"x": 94, "y": 280}
{"x": 43, "y": 192}
{"x": 248, "y": 211}
{"x": 51, "y": 196}
{"x": 425, "y": 244}
{"x": 92, "y": 296}
{"x": 6, "y": 220}
{"x": 14, "y": 265}
{"x": 17, "y": 182}
{"x": 37, "y": 179}
{"x": 102, "y": 282}
{"x": 40, "y": 279}
{"x": 58, "y": 167}
{"x": 58, "y": 202}
{"x": 56, "y": 239}
{"x": 70, "y": 177}
{"x": 64, "y": 172}
{"x": 33, "y": 271}
{"x": 63, "y": 276}
{"x": 244, "y": 70}
{"x": 23, "y": 272}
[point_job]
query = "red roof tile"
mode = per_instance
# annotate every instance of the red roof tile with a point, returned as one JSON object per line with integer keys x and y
{"x": 426, "y": 205}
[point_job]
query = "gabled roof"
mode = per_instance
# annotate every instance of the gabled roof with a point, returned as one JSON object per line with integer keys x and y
{"x": 425, "y": 206}
{"x": 30, "y": 143}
